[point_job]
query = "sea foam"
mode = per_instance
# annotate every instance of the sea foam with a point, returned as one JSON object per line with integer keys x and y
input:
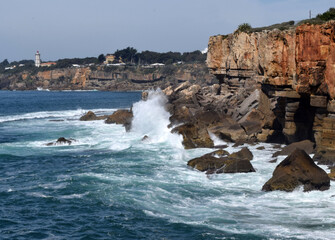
{"x": 152, "y": 119}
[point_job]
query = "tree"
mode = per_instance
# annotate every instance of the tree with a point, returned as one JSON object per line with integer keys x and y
{"x": 101, "y": 58}
{"x": 127, "y": 55}
{"x": 4, "y": 63}
{"x": 328, "y": 15}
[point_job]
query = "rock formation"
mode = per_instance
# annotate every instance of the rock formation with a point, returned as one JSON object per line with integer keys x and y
{"x": 221, "y": 162}
{"x": 278, "y": 85}
{"x": 296, "y": 170}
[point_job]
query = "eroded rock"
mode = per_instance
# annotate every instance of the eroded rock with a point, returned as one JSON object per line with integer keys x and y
{"x": 298, "y": 169}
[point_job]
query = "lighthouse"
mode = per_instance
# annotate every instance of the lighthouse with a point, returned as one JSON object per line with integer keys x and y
{"x": 37, "y": 59}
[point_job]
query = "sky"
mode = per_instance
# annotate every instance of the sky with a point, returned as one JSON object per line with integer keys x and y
{"x": 83, "y": 28}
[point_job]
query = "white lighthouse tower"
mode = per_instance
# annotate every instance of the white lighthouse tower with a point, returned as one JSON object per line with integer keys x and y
{"x": 37, "y": 59}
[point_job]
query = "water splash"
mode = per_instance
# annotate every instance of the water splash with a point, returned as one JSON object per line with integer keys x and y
{"x": 151, "y": 119}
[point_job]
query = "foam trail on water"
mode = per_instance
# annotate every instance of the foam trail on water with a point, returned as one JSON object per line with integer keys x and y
{"x": 151, "y": 119}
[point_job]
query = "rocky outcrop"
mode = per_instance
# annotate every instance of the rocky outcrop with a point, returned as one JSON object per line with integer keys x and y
{"x": 298, "y": 169}
{"x": 90, "y": 116}
{"x": 221, "y": 162}
{"x": 121, "y": 116}
{"x": 305, "y": 145}
{"x": 292, "y": 72}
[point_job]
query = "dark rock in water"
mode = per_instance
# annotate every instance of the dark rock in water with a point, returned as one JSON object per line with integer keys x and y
{"x": 273, "y": 161}
{"x": 194, "y": 137}
{"x": 60, "y": 120}
{"x": 145, "y": 137}
{"x": 90, "y": 116}
{"x": 260, "y": 148}
{"x": 305, "y": 145}
{"x": 325, "y": 157}
{"x": 216, "y": 162}
{"x": 207, "y": 163}
{"x": 243, "y": 154}
{"x": 296, "y": 170}
{"x": 237, "y": 166}
{"x": 121, "y": 116}
{"x": 61, "y": 141}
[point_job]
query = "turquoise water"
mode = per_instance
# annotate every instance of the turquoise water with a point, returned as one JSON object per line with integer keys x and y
{"x": 111, "y": 185}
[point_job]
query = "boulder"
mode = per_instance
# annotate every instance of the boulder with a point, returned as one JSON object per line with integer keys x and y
{"x": 217, "y": 162}
{"x": 90, "y": 116}
{"x": 121, "y": 116}
{"x": 236, "y": 166}
{"x": 193, "y": 136}
{"x": 228, "y": 130}
{"x": 243, "y": 154}
{"x": 325, "y": 157}
{"x": 305, "y": 145}
{"x": 207, "y": 162}
{"x": 296, "y": 170}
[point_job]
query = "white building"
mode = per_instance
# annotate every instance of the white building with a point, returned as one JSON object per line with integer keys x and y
{"x": 37, "y": 59}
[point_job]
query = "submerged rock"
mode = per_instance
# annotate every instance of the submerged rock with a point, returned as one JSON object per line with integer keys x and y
{"x": 296, "y": 170}
{"x": 90, "y": 116}
{"x": 305, "y": 145}
{"x": 61, "y": 141}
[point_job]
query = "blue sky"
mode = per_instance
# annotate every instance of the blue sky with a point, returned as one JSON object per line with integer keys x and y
{"x": 82, "y": 28}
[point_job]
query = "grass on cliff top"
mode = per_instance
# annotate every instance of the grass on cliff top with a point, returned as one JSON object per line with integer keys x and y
{"x": 319, "y": 19}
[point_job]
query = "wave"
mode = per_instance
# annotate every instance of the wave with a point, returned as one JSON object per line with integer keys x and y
{"x": 151, "y": 119}
{"x": 72, "y": 114}
{"x": 42, "y": 89}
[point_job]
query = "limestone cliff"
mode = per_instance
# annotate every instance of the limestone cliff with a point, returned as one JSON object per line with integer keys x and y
{"x": 295, "y": 68}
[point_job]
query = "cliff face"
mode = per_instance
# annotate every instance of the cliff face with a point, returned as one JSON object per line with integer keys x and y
{"x": 301, "y": 58}
{"x": 113, "y": 79}
{"x": 295, "y": 68}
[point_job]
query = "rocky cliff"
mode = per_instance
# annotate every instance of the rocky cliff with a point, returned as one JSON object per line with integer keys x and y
{"x": 123, "y": 78}
{"x": 294, "y": 70}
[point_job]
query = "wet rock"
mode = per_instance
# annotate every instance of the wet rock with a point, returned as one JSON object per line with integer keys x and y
{"x": 193, "y": 136}
{"x": 121, "y": 116}
{"x": 305, "y": 145}
{"x": 237, "y": 166}
{"x": 221, "y": 146}
{"x": 243, "y": 154}
{"x": 296, "y": 170}
{"x": 61, "y": 141}
{"x": 145, "y": 137}
{"x": 207, "y": 163}
{"x": 325, "y": 157}
{"x": 260, "y": 148}
{"x": 218, "y": 162}
{"x": 90, "y": 116}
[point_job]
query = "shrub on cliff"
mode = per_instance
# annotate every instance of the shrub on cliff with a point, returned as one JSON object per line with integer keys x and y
{"x": 328, "y": 15}
{"x": 244, "y": 27}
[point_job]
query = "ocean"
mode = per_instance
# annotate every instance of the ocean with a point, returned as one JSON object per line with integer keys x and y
{"x": 109, "y": 184}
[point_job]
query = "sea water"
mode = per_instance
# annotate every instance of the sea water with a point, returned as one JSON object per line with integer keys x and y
{"x": 109, "y": 184}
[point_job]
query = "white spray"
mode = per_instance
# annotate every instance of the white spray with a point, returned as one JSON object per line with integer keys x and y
{"x": 151, "y": 119}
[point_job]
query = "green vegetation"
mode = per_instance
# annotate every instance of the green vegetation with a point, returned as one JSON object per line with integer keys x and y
{"x": 281, "y": 26}
{"x": 244, "y": 27}
{"x": 328, "y": 15}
